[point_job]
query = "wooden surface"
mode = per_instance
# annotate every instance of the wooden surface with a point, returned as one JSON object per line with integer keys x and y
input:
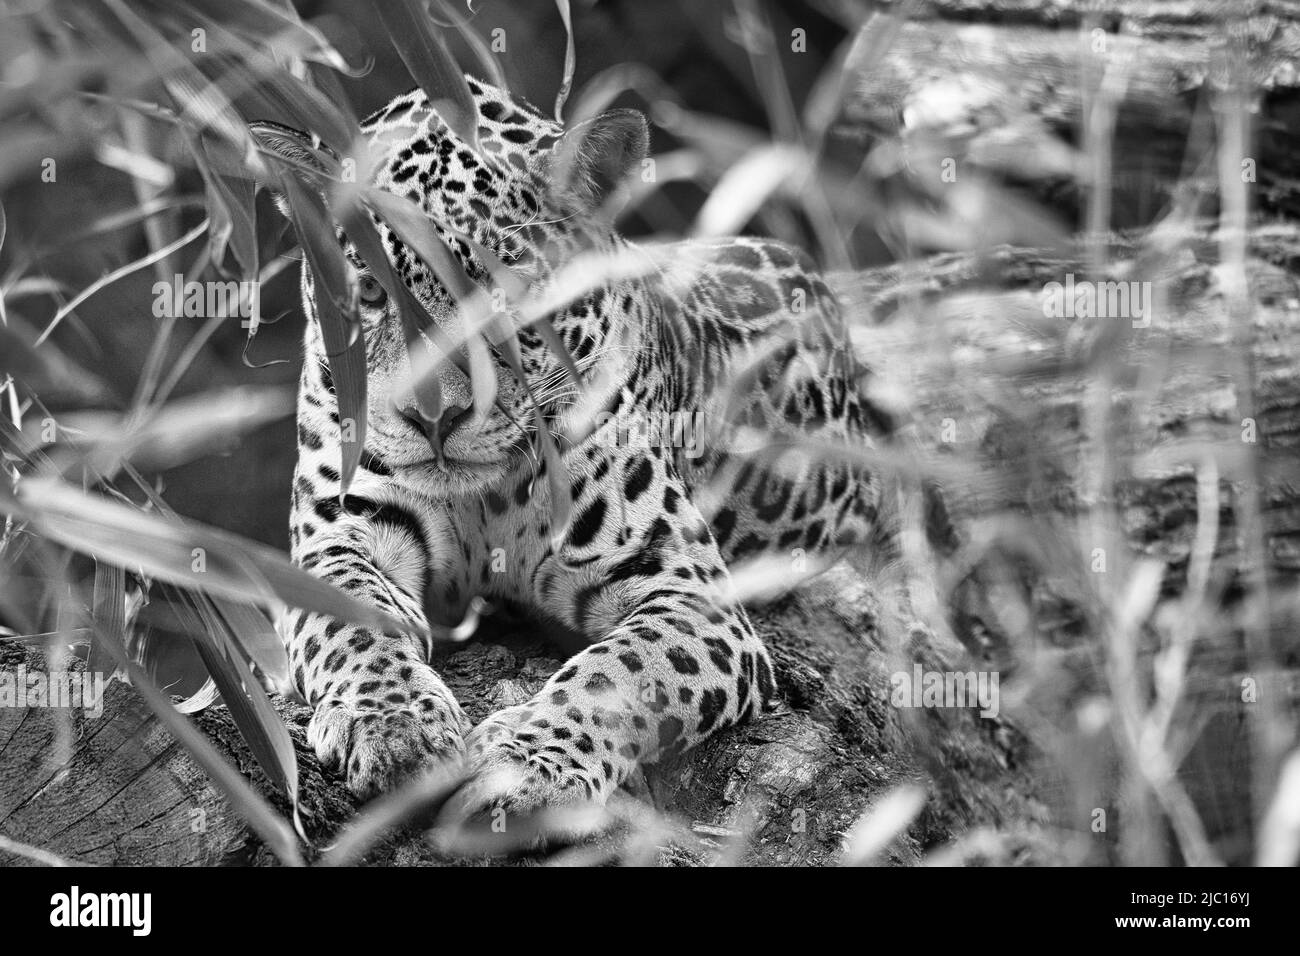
{"x": 114, "y": 789}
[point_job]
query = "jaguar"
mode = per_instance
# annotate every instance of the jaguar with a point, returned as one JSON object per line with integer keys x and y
{"x": 741, "y": 338}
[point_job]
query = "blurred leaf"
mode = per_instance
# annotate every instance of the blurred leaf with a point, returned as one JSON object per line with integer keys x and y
{"x": 176, "y": 433}
{"x": 262, "y": 22}
{"x": 747, "y": 185}
{"x": 766, "y": 577}
{"x": 769, "y": 76}
{"x": 975, "y": 213}
{"x": 851, "y": 61}
{"x": 108, "y": 612}
{"x": 200, "y": 700}
{"x": 140, "y": 166}
{"x": 14, "y": 443}
{"x": 392, "y": 811}
{"x": 1279, "y": 837}
{"x": 570, "y": 60}
{"x": 283, "y": 98}
{"x": 249, "y": 707}
{"x": 720, "y": 140}
{"x": 483, "y": 55}
{"x": 71, "y": 637}
{"x": 884, "y": 822}
{"x": 255, "y": 634}
{"x": 184, "y": 553}
{"x": 202, "y": 102}
{"x": 414, "y": 318}
{"x": 336, "y": 313}
{"x": 326, "y": 80}
{"x": 517, "y": 291}
{"x": 35, "y": 285}
{"x": 483, "y": 376}
{"x": 430, "y": 63}
{"x": 230, "y": 203}
{"x": 418, "y": 232}
{"x": 251, "y": 629}
{"x": 557, "y": 478}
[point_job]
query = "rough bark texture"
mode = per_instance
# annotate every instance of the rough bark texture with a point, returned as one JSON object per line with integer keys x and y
{"x": 957, "y": 339}
{"x": 115, "y": 789}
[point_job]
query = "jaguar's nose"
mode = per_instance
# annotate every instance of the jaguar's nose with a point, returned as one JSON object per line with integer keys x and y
{"x": 436, "y": 430}
{"x": 451, "y": 419}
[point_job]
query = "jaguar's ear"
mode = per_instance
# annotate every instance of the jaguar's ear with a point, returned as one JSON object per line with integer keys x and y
{"x": 594, "y": 158}
{"x": 297, "y": 147}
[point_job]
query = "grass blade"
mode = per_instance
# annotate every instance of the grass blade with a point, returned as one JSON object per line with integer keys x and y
{"x": 176, "y": 433}
{"x": 255, "y": 635}
{"x": 430, "y": 63}
{"x": 200, "y": 700}
{"x": 183, "y": 553}
{"x": 236, "y": 225}
{"x": 517, "y": 291}
{"x": 393, "y": 810}
{"x": 108, "y": 611}
{"x": 570, "y": 59}
{"x": 882, "y": 824}
{"x": 417, "y": 231}
{"x": 483, "y": 55}
{"x": 249, "y": 707}
{"x": 340, "y": 329}
{"x": 414, "y": 317}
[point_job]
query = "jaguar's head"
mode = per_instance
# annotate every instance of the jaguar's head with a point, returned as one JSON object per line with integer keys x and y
{"x": 532, "y": 194}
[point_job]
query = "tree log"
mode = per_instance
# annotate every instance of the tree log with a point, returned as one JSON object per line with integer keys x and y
{"x": 1003, "y": 93}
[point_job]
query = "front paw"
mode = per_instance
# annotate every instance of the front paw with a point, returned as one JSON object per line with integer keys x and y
{"x": 534, "y": 776}
{"x": 385, "y": 731}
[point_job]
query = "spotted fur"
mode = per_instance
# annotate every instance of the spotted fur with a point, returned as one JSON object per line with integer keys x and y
{"x": 742, "y": 335}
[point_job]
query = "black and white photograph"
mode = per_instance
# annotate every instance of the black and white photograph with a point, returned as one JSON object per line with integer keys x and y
{"x": 772, "y": 434}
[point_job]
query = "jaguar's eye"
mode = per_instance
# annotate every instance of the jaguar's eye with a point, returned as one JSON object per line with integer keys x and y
{"x": 371, "y": 292}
